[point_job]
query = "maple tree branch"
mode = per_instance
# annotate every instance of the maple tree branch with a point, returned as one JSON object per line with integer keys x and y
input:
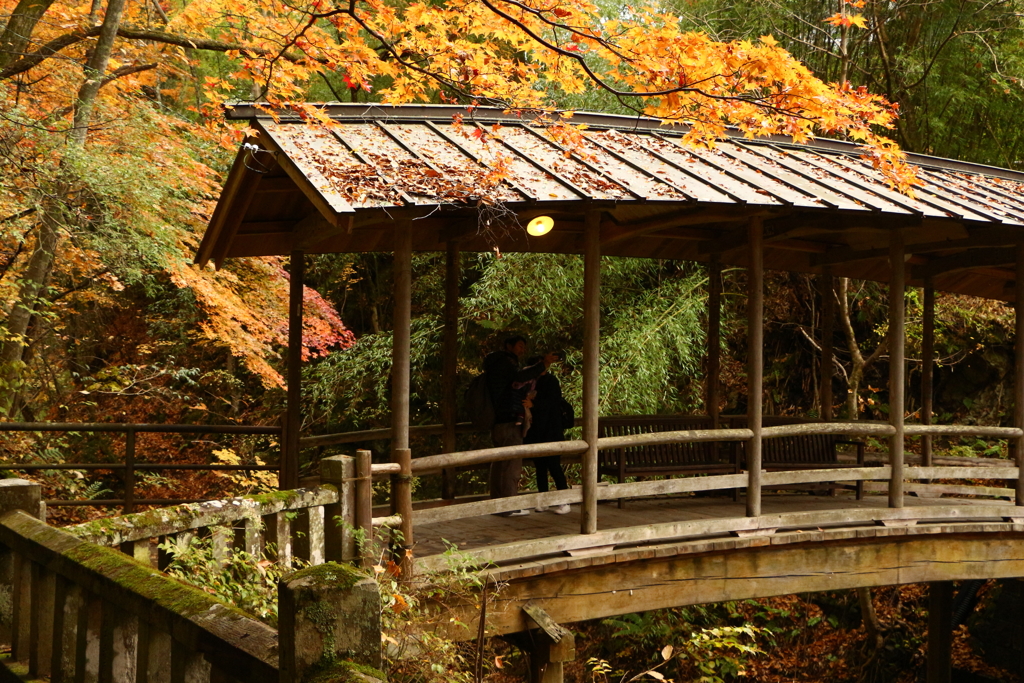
{"x": 21, "y": 214}
{"x": 601, "y": 83}
{"x": 57, "y": 44}
{"x": 126, "y": 71}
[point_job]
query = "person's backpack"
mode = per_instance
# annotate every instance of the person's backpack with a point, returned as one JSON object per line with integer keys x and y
{"x": 568, "y": 415}
{"x": 478, "y": 403}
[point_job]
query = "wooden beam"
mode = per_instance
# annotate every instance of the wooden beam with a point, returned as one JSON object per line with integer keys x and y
{"x": 897, "y": 370}
{"x": 239, "y": 188}
{"x": 612, "y": 232}
{"x": 314, "y": 229}
{"x": 755, "y": 363}
{"x": 400, "y": 349}
{"x": 1018, "y": 354}
{"x": 730, "y": 241}
{"x": 289, "y": 477}
{"x": 832, "y": 221}
{"x": 554, "y": 630}
{"x": 449, "y": 362}
{"x": 847, "y": 255}
{"x": 982, "y": 237}
{"x": 278, "y": 184}
{"x": 927, "y": 368}
{"x": 965, "y": 260}
{"x": 591, "y": 369}
{"x": 828, "y": 319}
{"x": 712, "y": 381}
{"x": 806, "y": 246}
{"x": 703, "y": 571}
{"x": 401, "y": 493}
{"x": 940, "y": 632}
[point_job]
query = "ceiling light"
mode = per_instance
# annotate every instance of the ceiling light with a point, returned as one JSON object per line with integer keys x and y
{"x": 541, "y": 225}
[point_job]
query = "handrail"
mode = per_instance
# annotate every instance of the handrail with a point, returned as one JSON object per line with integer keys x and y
{"x": 205, "y": 627}
{"x": 963, "y": 430}
{"x": 381, "y": 433}
{"x": 823, "y": 428}
{"x": 683, "y": 436}
{"x": 167, "y": 521}
{"x": 487, "y": 455}
{"x": 129, "y": 466}
{"x": 136, "y": 427}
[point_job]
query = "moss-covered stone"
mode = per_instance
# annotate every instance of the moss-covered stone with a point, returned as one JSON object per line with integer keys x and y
{"x": 329, "y": 574}
{"x": 328, "y": 614}
{"x": 344, "y": 672}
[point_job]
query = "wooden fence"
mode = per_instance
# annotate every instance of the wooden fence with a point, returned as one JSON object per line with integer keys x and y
{"x": 80, "y": 609}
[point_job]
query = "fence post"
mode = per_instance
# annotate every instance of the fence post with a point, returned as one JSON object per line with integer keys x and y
{"x": 328, "y": 619}
{"x": 129, "y": 471}
{"x": 339, "y": 518}
{"x": 364, "y": 504}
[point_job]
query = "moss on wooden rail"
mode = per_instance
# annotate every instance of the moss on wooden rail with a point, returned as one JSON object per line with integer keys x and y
{"x": 163, "y": 521}
{"x": 228, "y": 637}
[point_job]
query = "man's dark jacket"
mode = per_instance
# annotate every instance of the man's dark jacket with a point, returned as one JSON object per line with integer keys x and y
{"x": 501, "y": 370}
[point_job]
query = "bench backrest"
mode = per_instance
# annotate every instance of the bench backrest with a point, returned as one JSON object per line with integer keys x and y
{"x": 661, "y": 455}
{"x": 809, "y": 449}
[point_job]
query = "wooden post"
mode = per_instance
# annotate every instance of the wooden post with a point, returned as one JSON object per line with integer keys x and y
{"x": 927, "y": 367}
{"x": 591, "y": 370}
{"x": 897, "y": 376}
{"x": 129, "y": 472}
{"x": 828, "y": 319}
{"x": 400, "y": 345}
{"x": 289, "y": 477}
{"x": 401, "y": 492}
{"x": 1018, "y": 352}
{"x": 449, "y": 363}
{"x": 940, "y": 631}
{"x": 755, "y": 363}
{"x": 364, "y": 505}
{"x": 712, "y": 399}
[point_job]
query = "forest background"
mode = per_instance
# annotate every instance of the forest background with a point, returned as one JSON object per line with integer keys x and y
{"x": 112, "y": 149}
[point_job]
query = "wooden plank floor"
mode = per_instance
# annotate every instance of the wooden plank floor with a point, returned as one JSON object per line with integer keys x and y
{"x": 477, "y": 532}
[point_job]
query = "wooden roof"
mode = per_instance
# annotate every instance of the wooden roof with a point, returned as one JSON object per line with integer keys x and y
{"x": 340, "y": 189}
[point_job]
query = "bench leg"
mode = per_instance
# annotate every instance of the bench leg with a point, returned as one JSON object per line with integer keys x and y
{"x": 622, "y": 474}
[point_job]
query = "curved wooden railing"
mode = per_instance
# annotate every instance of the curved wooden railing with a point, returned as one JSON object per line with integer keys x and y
{"x": 721, "y": 482}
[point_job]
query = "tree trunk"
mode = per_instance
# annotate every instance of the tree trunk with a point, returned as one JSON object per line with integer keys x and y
{"x": 33, "y": 284}
{"x": 94, "y": 72}
{"x": 15, "y": 38}
{"x": 858, "y": 363}
{"x": 40, "y": 263}
{"x": 872, "y": 626}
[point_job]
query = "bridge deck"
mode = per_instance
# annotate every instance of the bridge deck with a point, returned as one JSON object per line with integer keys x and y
{"x": 480, "y": 532}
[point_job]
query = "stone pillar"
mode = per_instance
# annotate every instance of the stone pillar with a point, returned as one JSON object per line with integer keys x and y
{"x": 340, "y": 518}
{"x": 15, "y": 494}
{"x": 19, "y": 494}
{"x": 329, "y": 619}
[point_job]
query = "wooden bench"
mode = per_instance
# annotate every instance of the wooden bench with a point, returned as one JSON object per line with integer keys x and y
{"x": 707, "y": 457}
{"x": 813, "y": 451}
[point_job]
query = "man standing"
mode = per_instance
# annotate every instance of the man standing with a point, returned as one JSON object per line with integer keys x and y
{"x": 501, "y": 370}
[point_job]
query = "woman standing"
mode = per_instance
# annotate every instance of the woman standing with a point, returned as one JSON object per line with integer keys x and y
{"x": 548, "y": 424}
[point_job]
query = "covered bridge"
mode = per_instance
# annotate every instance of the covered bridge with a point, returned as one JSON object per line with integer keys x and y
{"x": 440, "y": 178}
